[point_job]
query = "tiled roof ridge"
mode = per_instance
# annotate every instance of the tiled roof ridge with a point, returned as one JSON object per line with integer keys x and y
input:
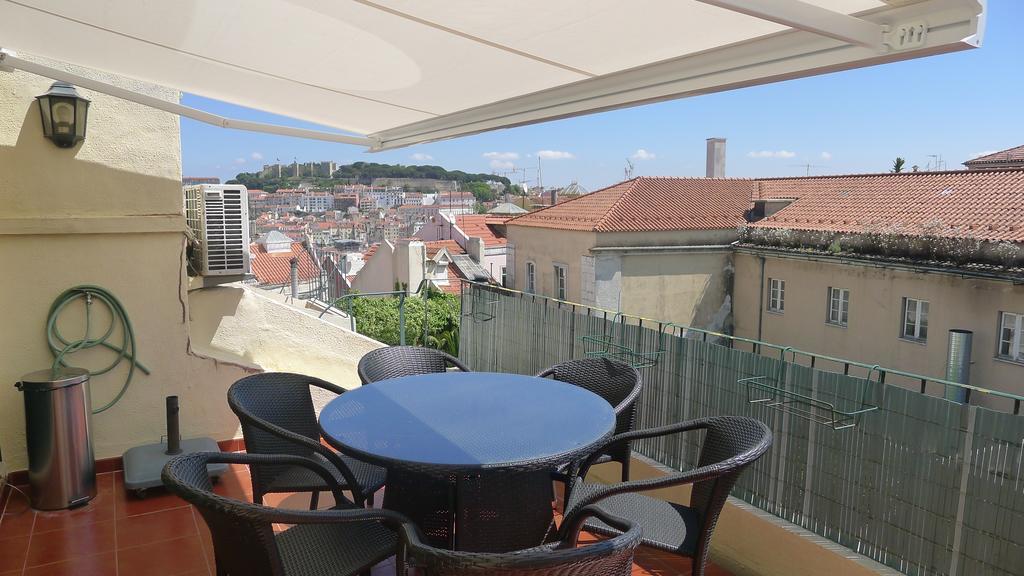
{"x": 998, "y": 156}
{"x": 612, "y": 210}
{"x": 562, "y": 204}
{"x": 881, "y": 174}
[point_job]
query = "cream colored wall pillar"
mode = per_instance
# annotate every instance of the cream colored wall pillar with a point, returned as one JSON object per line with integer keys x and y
{"x": 108, "y": 212}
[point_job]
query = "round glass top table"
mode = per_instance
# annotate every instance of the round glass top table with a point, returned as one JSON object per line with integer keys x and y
{"x": 470, "y": 454}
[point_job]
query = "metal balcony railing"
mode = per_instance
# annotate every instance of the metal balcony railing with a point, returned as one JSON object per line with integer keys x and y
{"x": 872, "y": 458}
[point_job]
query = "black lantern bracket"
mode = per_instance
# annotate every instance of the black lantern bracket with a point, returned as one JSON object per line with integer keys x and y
{"x": 64, "y": 113}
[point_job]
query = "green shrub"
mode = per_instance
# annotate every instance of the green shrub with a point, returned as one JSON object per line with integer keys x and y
{"x": 378, "y": 318}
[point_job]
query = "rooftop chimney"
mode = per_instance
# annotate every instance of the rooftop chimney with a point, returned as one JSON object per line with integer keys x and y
{"x": 716, "y": 158}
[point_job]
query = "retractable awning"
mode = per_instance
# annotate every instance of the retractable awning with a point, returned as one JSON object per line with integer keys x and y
{"x": 392, "y": 73}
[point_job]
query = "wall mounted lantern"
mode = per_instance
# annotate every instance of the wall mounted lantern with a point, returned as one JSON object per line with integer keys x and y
{"x": 64, "y": 114}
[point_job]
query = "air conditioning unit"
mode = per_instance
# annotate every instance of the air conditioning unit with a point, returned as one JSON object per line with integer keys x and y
{"x": 218, "y": 216}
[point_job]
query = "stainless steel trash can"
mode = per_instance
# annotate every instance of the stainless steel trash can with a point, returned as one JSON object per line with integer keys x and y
{"x": 61, "y": 464}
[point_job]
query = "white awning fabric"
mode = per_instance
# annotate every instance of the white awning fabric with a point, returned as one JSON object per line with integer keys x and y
{"x": 401, "y": 72}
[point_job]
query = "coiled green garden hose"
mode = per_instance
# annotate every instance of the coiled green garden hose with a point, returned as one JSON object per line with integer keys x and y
{"x": 60, "y": 347}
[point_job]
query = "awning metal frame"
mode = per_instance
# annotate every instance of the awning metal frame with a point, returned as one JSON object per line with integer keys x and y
{"x": 10, "y": 61}
{"x": 819, "y": 41}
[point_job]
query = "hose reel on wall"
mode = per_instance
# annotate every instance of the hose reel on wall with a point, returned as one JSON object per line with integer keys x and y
{"x": 62, "y": 347}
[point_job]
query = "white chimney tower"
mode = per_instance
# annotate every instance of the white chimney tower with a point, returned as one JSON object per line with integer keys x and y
{"x": 716, "y": 158}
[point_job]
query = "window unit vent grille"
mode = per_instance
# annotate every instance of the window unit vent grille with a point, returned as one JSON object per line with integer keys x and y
{"x": 218, "y": 216}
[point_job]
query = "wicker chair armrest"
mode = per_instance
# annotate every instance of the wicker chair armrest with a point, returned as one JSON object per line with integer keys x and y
{"x": 389, "y": 518}
{"x": 301, "y": 440}
{"x": 584, "y": 466}
{"x": 572, "y": 526}
{"x": 329, "y": 386}
{"x": 455, "y": 362}
{"x": 630, "y": 399}
{"x": 689, "y": 477}
{"x": 286, "y": 459}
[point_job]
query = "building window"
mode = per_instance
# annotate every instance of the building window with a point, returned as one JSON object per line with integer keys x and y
{"x": 1011, "y": 345}
{"x": 776, "y": 295}
{"x": 838, "y": 306}
{"x": 915, "y": 319}
{"x": 531, "y": 277}
{"x": 504, "y": 277}
{"x": 560, "y": 287}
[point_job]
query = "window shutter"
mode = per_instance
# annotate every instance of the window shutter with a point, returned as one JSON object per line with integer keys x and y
{"x": 510, "y": 266}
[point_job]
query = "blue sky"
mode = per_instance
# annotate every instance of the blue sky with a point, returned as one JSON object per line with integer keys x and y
{"x": 955, "y": 105}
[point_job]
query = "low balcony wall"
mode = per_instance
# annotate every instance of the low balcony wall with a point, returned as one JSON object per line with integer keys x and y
{"x": 751, "y": 542}
{"x": 239, "y": 324}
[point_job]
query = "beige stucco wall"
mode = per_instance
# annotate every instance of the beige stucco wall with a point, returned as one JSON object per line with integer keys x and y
{"x": 238, "y": 324}
{"x": 688, "y": 288}
{"x": 685, "y": 286}
{"x": 106, "y": 212}
{"x": 876, "y": 295}
{"x": 546, "y": 247}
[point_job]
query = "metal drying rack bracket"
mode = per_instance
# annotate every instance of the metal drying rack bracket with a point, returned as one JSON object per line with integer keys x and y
{"x": 604, "y": 346}
{"x": 766, "y": 391}
{"x": 482, "y": 304}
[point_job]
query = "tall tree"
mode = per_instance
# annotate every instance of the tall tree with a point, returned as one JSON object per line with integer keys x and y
{"x": 897, "y": 164}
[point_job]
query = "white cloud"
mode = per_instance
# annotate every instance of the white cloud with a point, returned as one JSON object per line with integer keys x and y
{"x": 502, "y": 155}
{"x": 421, "y": 157}
{"x": 771, "y": 154}
{"x": 239, "y": 160}
{"x": 826, "y": 155}
{"x": 501, "y": 160}
{"x": 642, "y": 154}
{"x": 985, "y": 153}
{"x": 555, "y": 155}
{"x": 256, "y": 156}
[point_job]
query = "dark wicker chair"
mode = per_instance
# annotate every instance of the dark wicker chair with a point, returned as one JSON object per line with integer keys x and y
{"x": 730, "y": 445}
{"x": 341, "y": 541}
{"x": 617, "y": 383}
{"x": 277, "y": 416}
{"x": 611, "y": 557}
{"x": 398, "y": 361}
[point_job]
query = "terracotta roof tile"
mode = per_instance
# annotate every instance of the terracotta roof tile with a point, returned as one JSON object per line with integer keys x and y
{"x": 1015, "y": 154}
{"x": 647, "y": 204}
{"x": 982, "y": 204}
{"x": 435, "y": 246}
{"x": 276, "y": 268}
{"x": 478, "y": 226}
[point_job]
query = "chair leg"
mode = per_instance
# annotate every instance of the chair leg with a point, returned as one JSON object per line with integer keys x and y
{"x": 314, "y": 500}
{"x": 625, "y": 469}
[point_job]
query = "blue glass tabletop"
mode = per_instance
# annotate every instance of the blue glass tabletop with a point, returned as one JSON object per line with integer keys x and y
{"x": 467, "y": 420}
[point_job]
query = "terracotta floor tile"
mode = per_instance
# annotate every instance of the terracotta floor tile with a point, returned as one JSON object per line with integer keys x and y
{"x": 104, "y": 564}
{"x": 98, "y": 509}
{"x": 118, "y": 535}
{"x": 166, "y": 558}
{"x": 156, "y": 499}
{"x": 206, "y": 539}
{"x": 17, "y": 523}
{"x": 293, "y": 501}
{"x": 235, "y": 483}
{"x": 61, "y": 545}
{"x": 155, "y": 527}
{"x": 13, "y": 552}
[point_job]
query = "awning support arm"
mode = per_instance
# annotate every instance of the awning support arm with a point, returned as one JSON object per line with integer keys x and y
{"x": 811, "y": 18}
{"x": 8, "y": 61}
